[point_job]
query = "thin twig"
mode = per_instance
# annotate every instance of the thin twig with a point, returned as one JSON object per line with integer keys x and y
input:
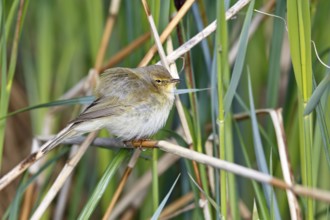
{"x": 178, "y": 103}
{"x": 62, "y": 199}
{"x": 209, "y": 151}
{"x": 286, "y": 168}
{"x": 27, "y": 203}
{"x": 154, "y": 31}
{"x": 318, "y": 194}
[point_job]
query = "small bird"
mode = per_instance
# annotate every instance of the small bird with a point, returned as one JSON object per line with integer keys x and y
{"x": 132, "y": 104}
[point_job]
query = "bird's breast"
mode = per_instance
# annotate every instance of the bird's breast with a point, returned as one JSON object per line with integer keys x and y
{"x": 143, "y": 120}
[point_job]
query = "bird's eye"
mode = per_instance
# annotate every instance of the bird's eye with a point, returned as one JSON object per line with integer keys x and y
{"x": 158, "y": 81}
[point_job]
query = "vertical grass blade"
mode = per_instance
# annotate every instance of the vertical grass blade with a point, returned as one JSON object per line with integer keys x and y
{"x": 225, "y": 101}
{"x": 299, "y": 29}
{"x": 204, "y": 45}
{"x": 260, "y": 199}
{"x": 238, "y": 66}
{"x": 3, "y": 66}
{"x": 300, "y": 45}
{"x": 275, "y": 55}
{"x": 7, "y": 76}
{"x": 260, "y": 156}
{"x": 222, "y": 74}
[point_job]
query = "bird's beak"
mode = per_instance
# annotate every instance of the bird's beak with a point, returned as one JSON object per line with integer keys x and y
{"x": 175, "y": 80}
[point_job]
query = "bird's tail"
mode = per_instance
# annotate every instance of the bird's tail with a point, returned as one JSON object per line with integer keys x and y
{"x": 67, "y": 132}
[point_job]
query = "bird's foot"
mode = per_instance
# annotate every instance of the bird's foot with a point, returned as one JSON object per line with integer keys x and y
{"x": 143, "y": 143}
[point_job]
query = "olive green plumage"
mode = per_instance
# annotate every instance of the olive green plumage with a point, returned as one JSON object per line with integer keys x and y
{"x": 131, "y": 103}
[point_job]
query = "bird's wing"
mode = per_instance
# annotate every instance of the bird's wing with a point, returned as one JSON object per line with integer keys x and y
{"x": 120, "y": 90}
{"x": 106, "y": 106}
{"x": 117, "y": 80}
{"x": 101, "y": 108}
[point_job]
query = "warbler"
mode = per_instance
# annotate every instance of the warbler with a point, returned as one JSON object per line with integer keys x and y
{"x": 131, "y": 103}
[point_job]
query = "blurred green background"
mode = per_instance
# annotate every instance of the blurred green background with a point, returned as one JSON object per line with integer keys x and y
{"x": 57, "y": 43}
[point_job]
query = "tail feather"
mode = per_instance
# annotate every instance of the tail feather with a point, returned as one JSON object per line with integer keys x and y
{"x": 67, "y": 132}
{"x": 32, "y": 158}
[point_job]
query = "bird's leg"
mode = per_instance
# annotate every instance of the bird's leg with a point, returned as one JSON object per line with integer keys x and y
{"x": 140, "y": 147}
{"x": 134, "y": 143}
{"x": 143, "y": 143}
{"x": 138, "y": 143}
